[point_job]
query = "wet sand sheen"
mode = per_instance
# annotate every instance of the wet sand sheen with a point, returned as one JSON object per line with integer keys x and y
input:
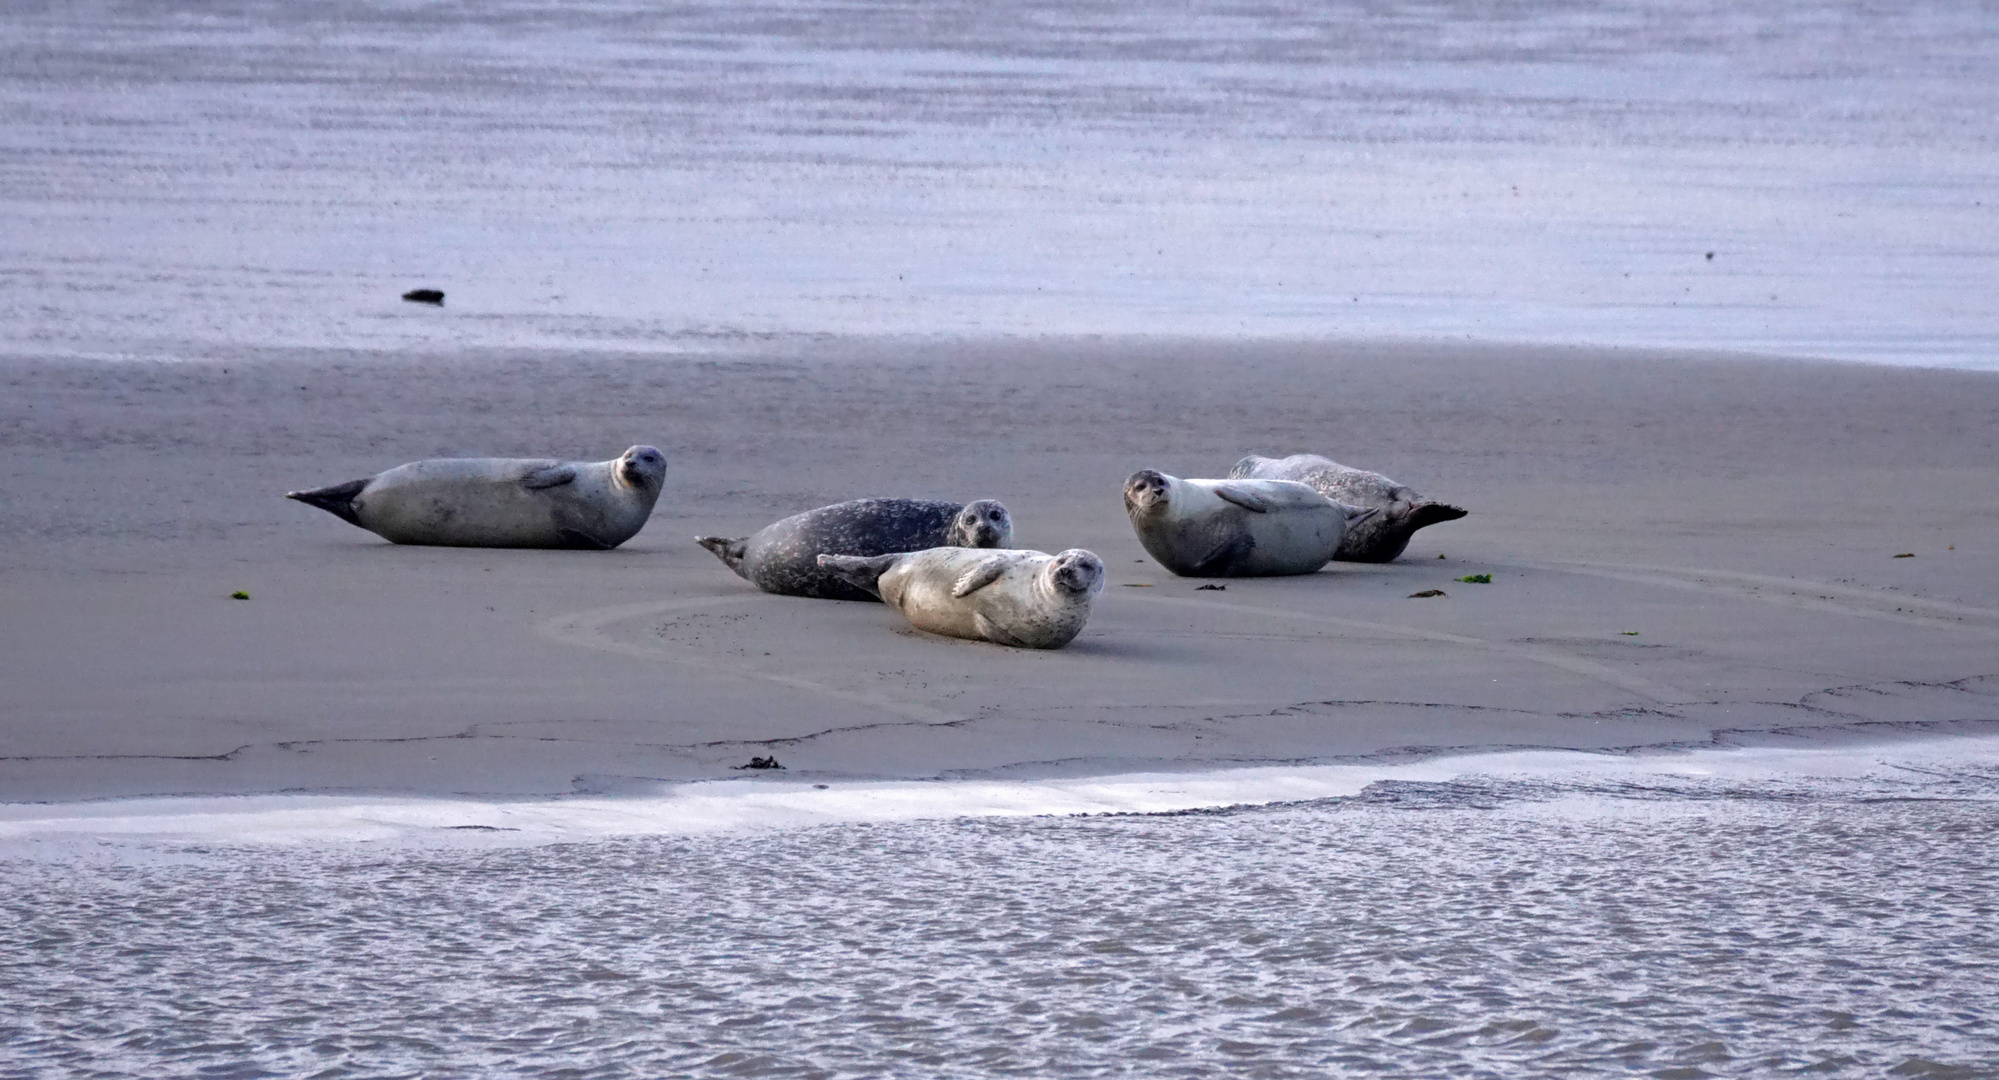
{"x": 1740, "y": 515}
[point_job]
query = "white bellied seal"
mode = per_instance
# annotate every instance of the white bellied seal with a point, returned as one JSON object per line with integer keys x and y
{"x": 502, "y": 502}
{"x": 783, "y": 557}
{"x": 1379, "y": 539}
{"x": 1235, "y": 528}
{"x": 1026, "y": 599}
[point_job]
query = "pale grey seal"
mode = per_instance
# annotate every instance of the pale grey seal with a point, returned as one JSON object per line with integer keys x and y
{"x": 1377, "y": 540}
{"x": 502, "y": 502}
{"x": 783, "y": 557}
{"x": 1026, "y": 599}
{"x": 1235, "y": 528}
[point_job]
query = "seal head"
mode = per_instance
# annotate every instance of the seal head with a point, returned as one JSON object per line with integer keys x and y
{"x": 1076, "y": 572}
{"x": 982, "y": 524}
{"x": 642, "y": 467}
{"x": 1147, "y": 492}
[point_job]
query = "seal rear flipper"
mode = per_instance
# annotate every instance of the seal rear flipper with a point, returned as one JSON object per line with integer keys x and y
{"x": 996, "y": 634}
{"x": 860, "y": 571}
{"x": 337, "y": 500}
{"x": 1431, "y": 513}
{"x": 731, "y": 552}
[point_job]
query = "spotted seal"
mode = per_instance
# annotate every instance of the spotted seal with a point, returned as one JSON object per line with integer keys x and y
{"x": 502, "y": 502}
{"x": 1378, "y": 540}
{"x": 1235, "y": 528}
{"x": 782, "y": 557}
{"x": 1026, "y": 599}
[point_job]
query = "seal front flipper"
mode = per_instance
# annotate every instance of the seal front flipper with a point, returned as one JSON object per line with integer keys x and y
{"x": 337, "y": 500}
{"x": 583, "y": 541}
{"x": 1243, "y": 497}
{"x": 1357, "y": 514}
{"x": 1223, "y": 561}
{"x": 985, "y": 573}
{"x": 860, "y": 571}
{"x": 553, "y": 476}
{"x": 731, "y": 552}
{"x": 996, "y": 633}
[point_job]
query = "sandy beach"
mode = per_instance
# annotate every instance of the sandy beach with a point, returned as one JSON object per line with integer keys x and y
{"x": 1684, "y": 550}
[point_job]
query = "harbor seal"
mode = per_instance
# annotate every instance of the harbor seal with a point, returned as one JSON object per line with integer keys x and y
{"x": 1235, "y": 528}
{"x": 1026, "y": 599}
{"x": 783, "y": 557}
{"x": 502, "y": 502}
{"x": 1378, "y": 540}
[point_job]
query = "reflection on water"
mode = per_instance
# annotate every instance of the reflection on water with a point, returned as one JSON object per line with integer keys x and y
{"x": 1807, "y": 176}
{"x": 1665, "y": 925}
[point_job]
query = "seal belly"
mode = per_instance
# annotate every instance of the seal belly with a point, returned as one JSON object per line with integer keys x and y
{"x": 461, "y": 513}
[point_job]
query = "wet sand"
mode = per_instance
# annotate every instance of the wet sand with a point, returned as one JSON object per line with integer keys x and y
{"x": 1740, "y": 515}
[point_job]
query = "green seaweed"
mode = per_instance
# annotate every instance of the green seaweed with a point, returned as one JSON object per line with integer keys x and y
{"x": 1475, "y": 579}
{"x": 239, "y": 594}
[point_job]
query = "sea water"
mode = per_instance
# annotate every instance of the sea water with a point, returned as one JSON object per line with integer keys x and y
{"x": 1811, "y": 177}
{"x": 1830, "y": 912}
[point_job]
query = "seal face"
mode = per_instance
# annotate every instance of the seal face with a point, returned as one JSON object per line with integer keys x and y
{"x": 1026, "y": 599}
{"x": 783, "y": 557}
{"x": 502, "y": 502}
{"x": 1235, "y": 528}
{"x": 1380, "y": 539}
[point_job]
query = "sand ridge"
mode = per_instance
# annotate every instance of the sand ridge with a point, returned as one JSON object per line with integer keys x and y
{"x": 1739, "y": 515}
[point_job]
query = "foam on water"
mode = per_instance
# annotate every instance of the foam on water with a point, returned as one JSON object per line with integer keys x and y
{"x": 768, "y": 802}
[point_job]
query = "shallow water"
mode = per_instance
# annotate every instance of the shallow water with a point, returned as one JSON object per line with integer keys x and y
{"x": 1674, "y": 917}
{"x": 177, "y": 178}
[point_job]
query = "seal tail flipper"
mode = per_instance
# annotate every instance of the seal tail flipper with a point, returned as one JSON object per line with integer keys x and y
{"x": 731, "y": 552}
{"x": 1430, "y": 513}
{"x": 859, "y": 571}
{"x": 337, "y": 500}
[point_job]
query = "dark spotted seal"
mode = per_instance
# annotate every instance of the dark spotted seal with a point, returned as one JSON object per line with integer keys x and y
{"x": 783, "y": 557}
{"x": 1384, "y": 536}
{"x": 1026, "y": 599}
{"x": 502, "y": 502}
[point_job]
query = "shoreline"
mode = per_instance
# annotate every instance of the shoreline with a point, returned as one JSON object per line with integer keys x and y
{"x": 1741, "y": 515}
{"x": 766, "y": 802}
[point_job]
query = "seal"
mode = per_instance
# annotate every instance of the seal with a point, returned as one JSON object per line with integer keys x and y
{"x": 1026, "y": 599}
{"x": 1380, "y": 539}
{"x": 502, "y": 502}
{"x": 1235, "y": 528}
{"x": 782, "y": 557}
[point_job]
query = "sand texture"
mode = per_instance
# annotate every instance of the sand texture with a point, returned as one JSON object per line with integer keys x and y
{"x": 1740, "y": 515}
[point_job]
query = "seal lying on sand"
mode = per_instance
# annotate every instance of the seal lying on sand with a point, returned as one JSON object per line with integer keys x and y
{"x": 1026, "y": 599}
{"x": 1378, "y": 540}
{"x": 783, "y": 557}
{"x": 1235, "y": 528}
{"x": 502, "y": 502}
